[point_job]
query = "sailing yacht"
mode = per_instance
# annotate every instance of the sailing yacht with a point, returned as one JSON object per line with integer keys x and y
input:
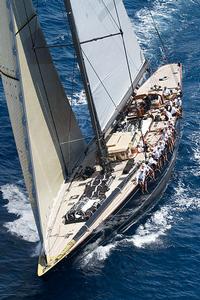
{"x": 75, "y": 188}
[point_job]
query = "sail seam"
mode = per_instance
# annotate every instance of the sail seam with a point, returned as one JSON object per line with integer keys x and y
{"x": 53, "y": 46}
{"x": 27, "y": 22}
{"x": 9, "y": 76}
{"x": 100, "y": 38}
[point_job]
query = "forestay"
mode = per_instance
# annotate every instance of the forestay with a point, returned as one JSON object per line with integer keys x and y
{"x": 54, "y": 140}
{"x": 98, "y": 24}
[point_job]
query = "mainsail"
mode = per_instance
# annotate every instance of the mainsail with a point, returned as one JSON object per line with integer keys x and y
{"x": 48, "y": 139}
{"x": 113, "y": 59}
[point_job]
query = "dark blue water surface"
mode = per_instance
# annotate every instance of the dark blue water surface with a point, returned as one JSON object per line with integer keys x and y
{"x": 161, "y": 258}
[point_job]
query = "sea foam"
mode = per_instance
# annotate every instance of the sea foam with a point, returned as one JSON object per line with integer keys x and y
{"x": 149, "y": 234}
{"x": 24, "y": 226}
{"x": 161, "y": 221}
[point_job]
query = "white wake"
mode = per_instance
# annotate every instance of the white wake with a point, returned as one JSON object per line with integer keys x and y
{"x": 99, "y": 254}
{"x": 79, "y": 98}
{"x": 151, "y": 233}
{"x": 94, "y": 255}
{"x": 196, "y": 152}
{"x": 24, "y": 225}
{"x": 161, "y": 221}
{"x": 146, "y": 27}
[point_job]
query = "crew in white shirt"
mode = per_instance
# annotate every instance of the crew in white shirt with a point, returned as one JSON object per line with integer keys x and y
{"x": 166, "y": 92}
{"x": 152, "y": 162}
{"x": 141, "y": 176}
{"x": 168, "y": 114}
{"x": 173, "y": 111}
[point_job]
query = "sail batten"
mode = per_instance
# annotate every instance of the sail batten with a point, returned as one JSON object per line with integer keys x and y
{"x": 108, "y": 45}
{"x": 100, "y": 38}
{"x": 27, "y": 22}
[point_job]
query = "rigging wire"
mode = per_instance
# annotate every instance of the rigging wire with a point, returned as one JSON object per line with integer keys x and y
{"x": 64, "y": 17}
{"x": 129, "y": 71}
{"x": 62, "y": 9}
{"x": 69, "y": 45}
{"x": 164, "y": 49}
{"x": 124, "y": 45}
{"x": 70, "y": 142}
{"x": 35, "y": 30}
{"x": 54, "y": 46}
{"x": 120, "y": 31}
{"x": 114, "y": 21}
{"x": 70, "y": 118}
{"x": 94, "y": 118}
{"x": 107, "y": 92}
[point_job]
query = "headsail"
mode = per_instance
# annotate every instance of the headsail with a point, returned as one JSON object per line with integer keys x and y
{"x": 54, "y": 138}
{"x": 112, "y": 55}
{"x": 10, "y": 78}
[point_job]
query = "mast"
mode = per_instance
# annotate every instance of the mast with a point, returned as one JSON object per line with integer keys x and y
{"x": 101, "y": 146}
{"x": 109, "y": 51}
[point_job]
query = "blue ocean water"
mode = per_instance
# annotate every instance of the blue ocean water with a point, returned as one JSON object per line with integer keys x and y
{"x": 160, "y": 259}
